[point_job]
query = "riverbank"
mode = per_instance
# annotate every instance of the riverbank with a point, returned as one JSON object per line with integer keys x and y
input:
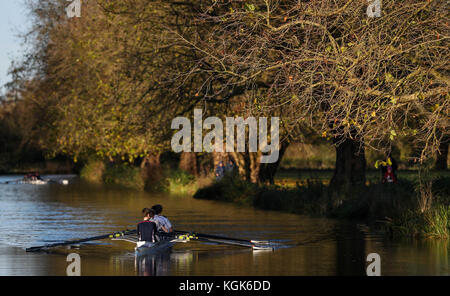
{"x": 165, "y": 179}
{"x": 47, "y": 167}
{"x": 408, "y": 208}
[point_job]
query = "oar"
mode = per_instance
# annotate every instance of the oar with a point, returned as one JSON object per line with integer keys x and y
{"x": 210, "y": 236}
{"x": 13, "y": 181}
{"x": 257, "y": 245}
{"x": 74, "y": 242}
{"x": 241, "y": 243}
{"x": 225, "y": 242}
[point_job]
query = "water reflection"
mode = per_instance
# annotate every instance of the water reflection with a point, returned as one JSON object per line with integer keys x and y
{"x": 153, "y": 264}
{"x": 351, "y": 250}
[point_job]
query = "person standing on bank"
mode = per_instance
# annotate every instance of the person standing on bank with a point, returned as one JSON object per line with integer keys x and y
{"x": 220, "y": 171}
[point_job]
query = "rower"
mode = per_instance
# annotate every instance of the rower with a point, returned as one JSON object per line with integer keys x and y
{"x": 147, "y": 229}
{"x": 161, "y": 221}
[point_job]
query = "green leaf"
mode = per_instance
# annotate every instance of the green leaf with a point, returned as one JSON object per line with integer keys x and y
{"x": 249, "y": 7}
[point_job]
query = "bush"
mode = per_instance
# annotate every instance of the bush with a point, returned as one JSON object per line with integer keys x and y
{"x": 397, "y": 205}
{"x": 179, "y": 181}
{"x": 229, "y": 189}
{"x": 93, "y": 171}
{"x": 311, "y": 199}
{"x": 125, "y": 175}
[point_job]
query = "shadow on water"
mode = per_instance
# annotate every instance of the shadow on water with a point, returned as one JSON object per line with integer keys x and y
{"x": 351, "y": 250}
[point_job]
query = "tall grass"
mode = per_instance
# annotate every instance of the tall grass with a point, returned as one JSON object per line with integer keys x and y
{"x": 437, "y": 222}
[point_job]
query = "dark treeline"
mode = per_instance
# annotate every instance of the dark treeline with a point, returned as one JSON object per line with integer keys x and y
{"x": 108, "y": 84}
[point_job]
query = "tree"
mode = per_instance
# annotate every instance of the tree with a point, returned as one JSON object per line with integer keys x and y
{"x": 359, "y": 80}
{"x": 109, "y": 77}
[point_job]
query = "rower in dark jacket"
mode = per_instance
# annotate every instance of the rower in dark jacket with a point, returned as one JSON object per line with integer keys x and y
{"x": 146, "y": 229}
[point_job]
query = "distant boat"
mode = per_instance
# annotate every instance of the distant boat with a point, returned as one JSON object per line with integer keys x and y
{"x": 34, "y": 181}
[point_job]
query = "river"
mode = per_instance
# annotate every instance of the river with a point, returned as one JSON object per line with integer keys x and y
{"x": 33, "y": 215}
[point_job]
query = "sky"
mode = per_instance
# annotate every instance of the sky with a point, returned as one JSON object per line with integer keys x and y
{"x": 13, "y": 20}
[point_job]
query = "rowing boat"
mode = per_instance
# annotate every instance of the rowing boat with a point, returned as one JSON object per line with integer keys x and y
{"x": 167, "y": 240}
{"x": 149, "y": 248}
{"x": 34, "y": 182}
{"x": 41, "y": 182}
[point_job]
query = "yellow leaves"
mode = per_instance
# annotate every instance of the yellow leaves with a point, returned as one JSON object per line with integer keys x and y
{"x": 388, "y": 77}
{"x": 324, "y": 134}
{"x": 250, "y": 7}
{"x": 389, "y": 161}
{"x": 378, "y": 163}
{"x": 435, "y": 107}
{"x": 392, "y": 135}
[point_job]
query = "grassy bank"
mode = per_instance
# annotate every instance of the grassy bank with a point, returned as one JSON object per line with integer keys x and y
{"x": 404, "y": 209}
{"x": 170, "y": 180}
{"x": 126, "y": 175}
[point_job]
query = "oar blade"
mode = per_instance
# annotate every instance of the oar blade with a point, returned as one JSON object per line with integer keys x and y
{"x": 35, "y": 249}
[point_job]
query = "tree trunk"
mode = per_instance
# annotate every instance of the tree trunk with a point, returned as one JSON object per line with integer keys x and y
{"x": 151, "y": 169}
{"x": 241, "y": 160}
{"x": 255, "y": 166}
{"x": 268, "y": 170}
{"x": 188, "y": 163}
{"x": 249, "y": 166}
{"x": 441, "y": 159}
{"x": 350, "y": 168}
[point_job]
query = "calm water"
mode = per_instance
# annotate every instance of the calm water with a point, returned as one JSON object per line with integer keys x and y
{"x": 38, "y": 214}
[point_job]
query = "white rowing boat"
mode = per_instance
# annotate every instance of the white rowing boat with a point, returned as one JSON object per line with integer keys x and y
{"x": 44, "y": 182}
{"x": 34, "y": 182}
